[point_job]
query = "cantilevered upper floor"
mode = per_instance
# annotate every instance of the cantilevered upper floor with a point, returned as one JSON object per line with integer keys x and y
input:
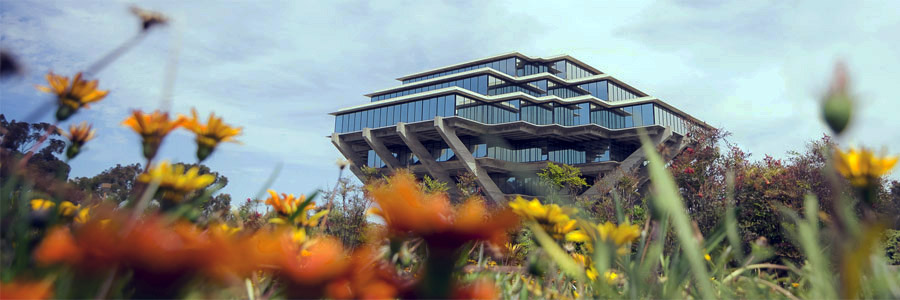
{"x": 513, "y": 87}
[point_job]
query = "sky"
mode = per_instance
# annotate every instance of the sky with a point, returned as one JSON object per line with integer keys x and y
{"x": 757, "y": 69}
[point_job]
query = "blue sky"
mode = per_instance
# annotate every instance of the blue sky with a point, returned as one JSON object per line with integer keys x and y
{"x": 754, "y": 68}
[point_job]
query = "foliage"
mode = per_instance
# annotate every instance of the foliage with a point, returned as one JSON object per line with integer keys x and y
{"x": 347, "y": 218}
{"x": 433, "y": 185}
{"x": 115, "y": 184}
{"x": 891, "y": 242}
{"x": 562, "y": 177}
{"x": 467, "y": 184}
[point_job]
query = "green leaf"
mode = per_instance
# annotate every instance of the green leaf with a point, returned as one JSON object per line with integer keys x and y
{"x": 669, "y": 201}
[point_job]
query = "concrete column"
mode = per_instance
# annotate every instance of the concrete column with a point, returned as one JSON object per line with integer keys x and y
{"x": 491, "y": 191}
{"x": 435, "y": 170}
{"x": 631, "y": 163}
{"x": 380, "y": 149}
{"x": 356, "y": 162}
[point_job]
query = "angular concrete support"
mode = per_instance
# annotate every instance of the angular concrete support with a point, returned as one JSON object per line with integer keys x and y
{"x": 416, "y": 147}
{"x": 632, "y": 162}
{"x": 375, "y": 143}
{"x": 355, "y": 161}
{"x": 491, "y": 191}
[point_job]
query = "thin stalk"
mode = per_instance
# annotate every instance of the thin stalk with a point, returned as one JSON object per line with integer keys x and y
{"x": 104, "y": 61}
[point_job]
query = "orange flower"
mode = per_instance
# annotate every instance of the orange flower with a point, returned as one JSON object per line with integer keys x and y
{"x": 72, "y": 97}
{"x": 481, "y": 289}
{"x": 212, "y": 133}
{"x": 77, "y": 135}
{"x": 152, "y": 128}
{"x": 406, "y": 208}
{"x": 308, "y": 271}
{"x": 26, "y": 290}
{"x": 368, "y": 277}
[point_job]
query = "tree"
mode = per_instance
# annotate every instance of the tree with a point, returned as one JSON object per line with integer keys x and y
{"x": 562, "y": 177}
{"x": 17, "y": 138}
{"x": 430, "y": 185}
{"x": 115, "y": 184}
{"x": 347, "y": 218}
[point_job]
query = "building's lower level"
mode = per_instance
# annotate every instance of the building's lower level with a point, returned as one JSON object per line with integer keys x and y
{"x": 504, "y": 157}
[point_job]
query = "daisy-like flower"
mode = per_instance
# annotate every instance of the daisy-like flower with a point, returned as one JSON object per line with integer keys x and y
{"x": 554, "y": 219}
{"x": 209, "y": 135}
{"x": 286, "y": 205}
{"x": 149, "y": 18}
{"x": 152, "y": 128}
{"x": 77, "y": 135}
{"x": 72, "y": 97}
{"x": 406, "y": 208}
{"x": 621, "y": 236}
{"x": 862, "y": 167}
{"x": 174, "y": 182}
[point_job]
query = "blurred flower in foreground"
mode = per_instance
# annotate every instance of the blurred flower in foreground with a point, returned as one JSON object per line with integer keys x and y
{"x": 621, "y": 236}
{"x": 149, "y": 18}
{"x": 158, "y": 253}
{"x": 554, "y": 219}
{"x": 174, "y": 183}
{"x": 837, "y": 108}
{"x": 77, "y": 135}
{"x": 406, "y": 208}
{"x": 862, "y": 167}
{"x": 26, "y": 290}
{"x": 480, "y": 289}
{"x": 152, "y": 128}
{"x": 72, "y": 97}
{"x": 209, "y": 135}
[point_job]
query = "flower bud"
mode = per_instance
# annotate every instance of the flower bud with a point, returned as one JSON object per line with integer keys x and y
{"x": 64, "y": 112}
{"x": 836, "y": 110}
{"x": 73, "y": 151}
{"x": 203, "y": 151}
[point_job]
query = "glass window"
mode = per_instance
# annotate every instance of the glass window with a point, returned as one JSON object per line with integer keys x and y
{"x": 364, "y": 119}
{"x": 418, "y": 111}
{"x": 404, "y": 112}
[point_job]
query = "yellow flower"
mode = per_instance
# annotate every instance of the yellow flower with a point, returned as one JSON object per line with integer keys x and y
{"x": 286, "y": 205}
{"x": 209, "y": 135}
{"x": 79, "y": 134}
{"x": 41, "y": 205}
{"x": 152, "y": 128}
{"x": 554, "y": 219}
{"x": 610, "y": 276}
{"x": 861, "y": 167}
{"x": 72, "y": 97}
{"x": 622, "y": 236}
{"x": 707, "y": 257}
{"x": 174, "y": 182}
{"x": 68, "y": 209}
{"x": 83, "y": 215}
{"x": 794, "y": 284}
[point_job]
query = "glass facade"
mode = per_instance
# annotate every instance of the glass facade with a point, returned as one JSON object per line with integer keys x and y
{"x": 517, "y": 109}
{"x": 527, "y": 151}
{"x": 539, "y": 113}
{"x": 507, "y": 66}
{"x": 478, "y": 84}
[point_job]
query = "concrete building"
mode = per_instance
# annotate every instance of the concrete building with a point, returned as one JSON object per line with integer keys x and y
{"x": 503, "y": 118}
